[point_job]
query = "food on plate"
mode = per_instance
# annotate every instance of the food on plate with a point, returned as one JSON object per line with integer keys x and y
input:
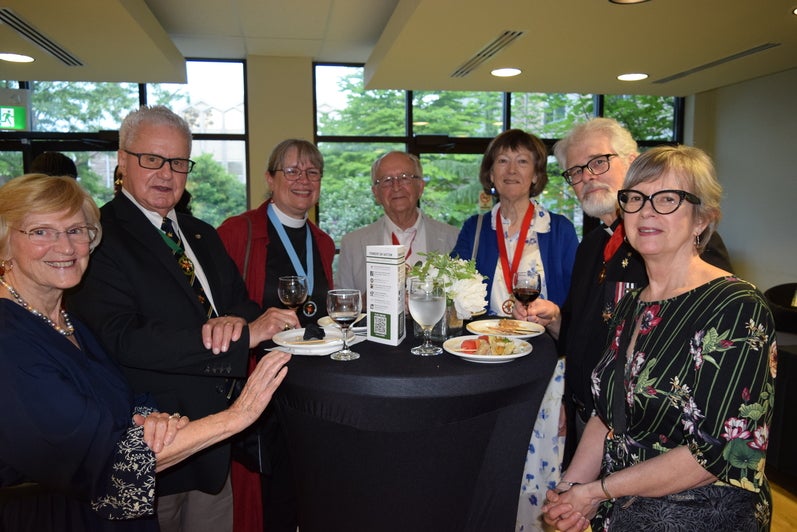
{"x": 487, "y": 345}
{"x": 500, "y": 345}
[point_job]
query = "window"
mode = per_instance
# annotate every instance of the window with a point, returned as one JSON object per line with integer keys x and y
{"x": 82, "y": 121}
{"x": 450, "y": 131}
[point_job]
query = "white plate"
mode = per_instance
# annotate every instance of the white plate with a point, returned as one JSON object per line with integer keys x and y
{"x": 522, "y": 348}
{"x": 517, "y": 329}
{"x": 327, "y": 323}
{"x": 292, "y": 341}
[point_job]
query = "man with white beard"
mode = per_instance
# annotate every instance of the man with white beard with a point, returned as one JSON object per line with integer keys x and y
{"x": 596, "y": 156}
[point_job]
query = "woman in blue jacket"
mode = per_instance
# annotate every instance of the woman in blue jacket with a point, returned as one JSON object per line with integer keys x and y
{"x": 531, "y": 238}
{"x": 519, "y": 234}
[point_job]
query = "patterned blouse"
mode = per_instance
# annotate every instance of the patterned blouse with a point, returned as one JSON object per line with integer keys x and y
{"x": 701, "y": 374}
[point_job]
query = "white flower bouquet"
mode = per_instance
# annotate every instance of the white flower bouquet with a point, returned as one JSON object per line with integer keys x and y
{"x": 463, "y": 284}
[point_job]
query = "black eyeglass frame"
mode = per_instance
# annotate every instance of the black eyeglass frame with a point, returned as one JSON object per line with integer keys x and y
{"x": 682, "y": 194}
{"x": 163, "y": 160}
{"x": 569, "y": 178}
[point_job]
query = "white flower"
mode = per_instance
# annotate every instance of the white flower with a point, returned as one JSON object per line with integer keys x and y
{"x": 469, "y": 296}
{"x": 463, "y": 284}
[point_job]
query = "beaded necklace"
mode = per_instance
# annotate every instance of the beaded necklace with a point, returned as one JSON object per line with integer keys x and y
{"x": 69, "y": 330}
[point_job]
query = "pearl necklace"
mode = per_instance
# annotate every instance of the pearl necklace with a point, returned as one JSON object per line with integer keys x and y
{"x": 69, "y": 330}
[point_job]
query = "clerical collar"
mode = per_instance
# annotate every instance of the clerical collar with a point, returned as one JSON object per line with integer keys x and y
{"x": 288, "y": 220}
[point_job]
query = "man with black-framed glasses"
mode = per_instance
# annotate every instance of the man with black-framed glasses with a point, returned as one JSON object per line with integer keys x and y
{"x": 169, "y": 305}
{"x": 397, "y": 185}
{"x": 596, "y": 156}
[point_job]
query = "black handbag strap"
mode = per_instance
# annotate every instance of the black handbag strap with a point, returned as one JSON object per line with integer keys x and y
{"x": 618, "y": 400}
{"x": 476, "y": 239}
{"x": 248, "y": 247}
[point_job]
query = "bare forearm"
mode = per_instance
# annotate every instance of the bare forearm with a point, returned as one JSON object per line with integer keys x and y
{"x": 198, "y": 435}
{"x": 586, "y": 463}
{"x": 256, "y": 394}
{"x": 672, "y": 472}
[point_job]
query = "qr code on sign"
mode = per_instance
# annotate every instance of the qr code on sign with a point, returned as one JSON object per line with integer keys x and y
{"x": 379, "y": 325}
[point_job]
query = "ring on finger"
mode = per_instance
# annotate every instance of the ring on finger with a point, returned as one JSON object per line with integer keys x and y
{"x": 287, "y": 326}
{"x": 176, "y": 415}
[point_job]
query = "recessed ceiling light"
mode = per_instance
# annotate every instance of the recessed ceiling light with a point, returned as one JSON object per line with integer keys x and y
{"x": 632, "y": 77}
{"x": 16, "y": 58}
{"x": 627, "y": 1}
{"x": 505, "y": 72}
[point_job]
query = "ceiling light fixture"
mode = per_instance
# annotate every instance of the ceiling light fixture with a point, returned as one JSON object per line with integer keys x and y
{"x": 15, "y": 58}
{"x": 625, "y": 2}
{"x": 632, "y": 77}
{"x": 505, "y": 72}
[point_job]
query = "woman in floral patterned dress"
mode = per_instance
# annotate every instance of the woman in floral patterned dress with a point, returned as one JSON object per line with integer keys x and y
{"x": 679, "y": 437}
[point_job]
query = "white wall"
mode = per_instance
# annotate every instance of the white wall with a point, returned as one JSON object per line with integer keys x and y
{"x": 750, "y": 129}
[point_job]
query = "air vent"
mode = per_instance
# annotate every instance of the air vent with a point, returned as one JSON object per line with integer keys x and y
{"x": 718, "y": 62}
{"x": 37, "y": 38}
{"x": 502, "y": 41}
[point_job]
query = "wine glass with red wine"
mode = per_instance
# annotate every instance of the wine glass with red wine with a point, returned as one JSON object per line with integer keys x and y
{"x": 526, "y": 287}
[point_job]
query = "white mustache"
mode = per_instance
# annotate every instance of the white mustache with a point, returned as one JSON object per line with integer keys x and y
{"x": 599, "y": 186}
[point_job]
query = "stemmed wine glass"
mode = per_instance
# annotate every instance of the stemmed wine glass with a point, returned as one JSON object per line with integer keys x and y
{"x": 292, "y": 290}
{"x": 427, "y": 302}
{"x": 526, "y": 287}
{"x": 343, "y": 307}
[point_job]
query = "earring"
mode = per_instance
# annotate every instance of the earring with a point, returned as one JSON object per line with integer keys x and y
{"x": 6, "y": 266}
{"x": 697, "y": 241}
{"x": 492, "y": 189}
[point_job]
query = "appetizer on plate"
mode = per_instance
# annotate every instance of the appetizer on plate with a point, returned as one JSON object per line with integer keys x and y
{"x": 488, "y": 345}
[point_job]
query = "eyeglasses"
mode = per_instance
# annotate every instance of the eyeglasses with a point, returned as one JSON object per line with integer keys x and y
{"x": 292, "y": 173}
{"x": 663, "y": 201}
{"x": 597, "y": 165}
{"x": 150, "y": 161}
{"x": 84, "y": 234}
{"x": 401, "y": 180}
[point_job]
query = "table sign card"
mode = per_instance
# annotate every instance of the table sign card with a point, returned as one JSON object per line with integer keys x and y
{"x": 385, "y": 298}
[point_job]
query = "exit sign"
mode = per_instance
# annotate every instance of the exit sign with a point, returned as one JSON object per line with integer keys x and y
{"x": 13, "y": 117}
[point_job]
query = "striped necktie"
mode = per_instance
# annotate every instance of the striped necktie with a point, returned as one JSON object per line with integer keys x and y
{"x": 186, "y": 265}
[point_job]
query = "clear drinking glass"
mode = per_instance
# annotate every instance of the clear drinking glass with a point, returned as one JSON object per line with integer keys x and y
{"x": 427, "y": 302}
{"x": 343, "y": 307}
{"x": 526, "y": 287}
{"x": 292, "y": 290}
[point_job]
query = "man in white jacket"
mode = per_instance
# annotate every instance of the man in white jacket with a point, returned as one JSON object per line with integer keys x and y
{"x": 397, "y": 184}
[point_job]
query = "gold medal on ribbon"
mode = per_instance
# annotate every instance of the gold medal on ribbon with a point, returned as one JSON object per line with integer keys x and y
{"x": 507, "y": 306}
{"x": 309, "y": 308}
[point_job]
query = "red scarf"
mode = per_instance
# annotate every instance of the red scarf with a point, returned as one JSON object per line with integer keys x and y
{"x": 502, "y": 252}
{"x": 614, "y": 242}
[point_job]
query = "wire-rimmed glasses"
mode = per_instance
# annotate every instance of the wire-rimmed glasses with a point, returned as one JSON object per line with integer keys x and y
{"x": 401, "y": 180}
{"x": 152, "y": 161}
{"x": 663, "y": 201}
{"x": 597, "y": 165}
{"x": 292, "y": 173}
{"x": 83, "y": 234}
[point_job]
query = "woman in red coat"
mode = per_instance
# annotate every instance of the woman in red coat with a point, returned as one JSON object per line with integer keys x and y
{"x": 274, "y": 240}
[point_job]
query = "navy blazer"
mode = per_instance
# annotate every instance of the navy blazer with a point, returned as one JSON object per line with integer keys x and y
{"x": 138, "y": 302}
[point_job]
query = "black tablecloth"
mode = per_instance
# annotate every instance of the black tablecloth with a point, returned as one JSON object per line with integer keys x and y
{"x": 392, "y": 441}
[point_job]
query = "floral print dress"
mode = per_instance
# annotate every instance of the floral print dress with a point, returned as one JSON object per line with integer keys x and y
{"x": 700, "y": 374}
